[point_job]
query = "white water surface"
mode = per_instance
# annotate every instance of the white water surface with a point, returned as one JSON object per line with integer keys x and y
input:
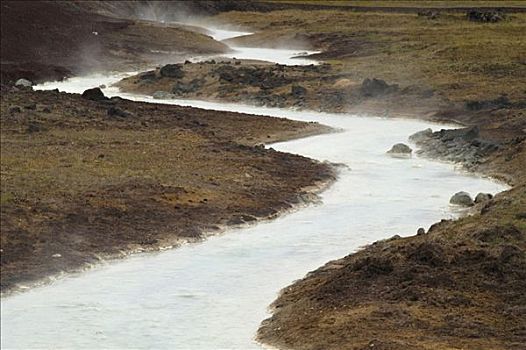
{"x": 213, "y": 295}
{"x": 281, "y": 56}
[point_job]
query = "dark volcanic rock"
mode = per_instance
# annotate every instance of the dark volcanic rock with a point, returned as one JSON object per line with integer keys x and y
{"x": 376, "y": 87}
{"x": 490, "y": 16}
{"x": 172, "y": 71}
{"x": 94, "y": 94}
{"x": 181, "y": 88}
{"x": 265, "y": 78}
{"x": 457, "y": 145}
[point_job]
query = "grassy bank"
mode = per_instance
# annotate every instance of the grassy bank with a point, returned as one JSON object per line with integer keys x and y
{"x": 83, "y": 180}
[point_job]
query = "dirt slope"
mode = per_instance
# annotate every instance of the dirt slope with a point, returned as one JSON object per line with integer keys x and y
{"x": 44, "y": 40}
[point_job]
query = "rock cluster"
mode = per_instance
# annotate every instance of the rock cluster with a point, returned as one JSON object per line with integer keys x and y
{"x": 457, "y": 145}
{"x": 462, "y": 198}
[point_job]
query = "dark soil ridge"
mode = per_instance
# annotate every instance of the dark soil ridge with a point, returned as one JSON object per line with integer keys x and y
{"x": 59, "y": 214}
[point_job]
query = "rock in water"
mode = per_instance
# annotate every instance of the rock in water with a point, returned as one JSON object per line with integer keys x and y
{"x": 462, "y": 198}
{"x": 94, "y": 94}
{"x": 400, "y": 150}
{"x": 23, "y": 82}
{"x": 483, "y": 197}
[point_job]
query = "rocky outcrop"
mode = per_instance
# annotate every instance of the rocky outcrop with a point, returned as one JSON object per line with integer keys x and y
{"x": 456, "y": 145}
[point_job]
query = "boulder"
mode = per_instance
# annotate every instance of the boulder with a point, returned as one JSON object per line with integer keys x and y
{"x": 172, "y": 71}
{"x": 483, "y": 197}
{"x": 420, "y": 136}
{"x": 94, "y": 94}
{"x": 23, "y": 82}
{"x": 400, "y": 149}
{"x": 461, "y": 198}
{"x": 162, "y": 95}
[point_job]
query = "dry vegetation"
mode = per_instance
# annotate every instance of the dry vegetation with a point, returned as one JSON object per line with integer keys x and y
{"x": 460, "y": 59}
{"x": 79, "y": 181}
{"x": 449, "y": 4}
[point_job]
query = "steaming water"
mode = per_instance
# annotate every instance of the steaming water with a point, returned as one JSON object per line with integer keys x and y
{"x": 281, "y": 56}
{"x": 213, "y": 295}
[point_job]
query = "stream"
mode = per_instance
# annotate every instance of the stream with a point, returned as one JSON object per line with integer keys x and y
{"x": 214, "y": 294}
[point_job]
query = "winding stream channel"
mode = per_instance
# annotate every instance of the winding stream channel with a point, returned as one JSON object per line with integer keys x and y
{"x": 213, "y": 295}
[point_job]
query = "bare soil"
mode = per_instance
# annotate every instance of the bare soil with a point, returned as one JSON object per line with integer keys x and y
{"x": 49, "y": 40}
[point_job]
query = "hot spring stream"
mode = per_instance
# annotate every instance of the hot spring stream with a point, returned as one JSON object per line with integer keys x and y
{"x": 213, "y": 295}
